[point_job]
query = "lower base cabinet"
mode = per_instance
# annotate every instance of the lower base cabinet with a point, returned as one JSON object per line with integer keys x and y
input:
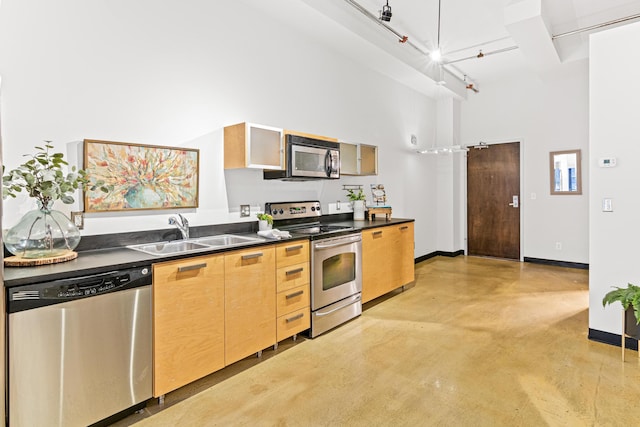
{"x": 188, "y": 321}
{"x": 250, "y": 302}
{"x": 387, "y": 259}
{"x": 211, "y": 311}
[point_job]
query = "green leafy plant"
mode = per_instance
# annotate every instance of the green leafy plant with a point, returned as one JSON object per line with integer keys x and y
{"x": 353, "y": 196}
{"x": 43, "y": 178}
{"x": 265, "y": 217}
{"x": 628, "y": 297}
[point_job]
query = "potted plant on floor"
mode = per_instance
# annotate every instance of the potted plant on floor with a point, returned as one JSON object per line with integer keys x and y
{"x": 629, "y": 297}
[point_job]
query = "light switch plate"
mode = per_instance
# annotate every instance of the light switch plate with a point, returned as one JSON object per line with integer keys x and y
{"x": 607, "y": 205}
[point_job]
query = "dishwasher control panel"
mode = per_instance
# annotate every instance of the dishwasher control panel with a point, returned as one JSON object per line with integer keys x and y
{"x": 41, "y": 294}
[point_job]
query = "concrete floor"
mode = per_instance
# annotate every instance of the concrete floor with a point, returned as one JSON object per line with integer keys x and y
{"x": 476, "y": 342}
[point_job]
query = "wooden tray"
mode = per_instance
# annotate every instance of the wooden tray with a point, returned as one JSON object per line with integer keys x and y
{"x": 16, "y": 261}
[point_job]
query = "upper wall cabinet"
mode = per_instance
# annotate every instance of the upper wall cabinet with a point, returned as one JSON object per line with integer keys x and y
{"x": 358, "y": 159}
{"x": 248, "y": 145}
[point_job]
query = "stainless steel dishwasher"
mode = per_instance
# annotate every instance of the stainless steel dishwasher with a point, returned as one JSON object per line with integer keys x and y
{"x": 79, "y": 350}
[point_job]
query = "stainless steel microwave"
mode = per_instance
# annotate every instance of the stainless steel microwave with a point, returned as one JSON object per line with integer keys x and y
{"x": 308, "y": 158}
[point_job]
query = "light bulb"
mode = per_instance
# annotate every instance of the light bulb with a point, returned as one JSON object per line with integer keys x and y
{"x": 436, "y": 55}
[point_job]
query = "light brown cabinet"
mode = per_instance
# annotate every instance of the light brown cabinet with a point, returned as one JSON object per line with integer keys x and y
{"x": 387, "y": 259}
{"x": 358, "y": 159}
{"x": 293, "y": 297}
{"x": 250, "y": 301}
{"x": 248, "y": 145}
{"x": 188, "y": 321}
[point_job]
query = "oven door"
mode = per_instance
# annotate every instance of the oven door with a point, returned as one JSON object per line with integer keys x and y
{"x": 337, "y": 269}
{"x": 318, "y": 162}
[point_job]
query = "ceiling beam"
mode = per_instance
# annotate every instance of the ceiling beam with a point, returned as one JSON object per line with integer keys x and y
{"x": 526, "y": 23}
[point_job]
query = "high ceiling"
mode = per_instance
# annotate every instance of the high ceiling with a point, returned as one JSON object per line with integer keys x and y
{"x": 513, "y": 35}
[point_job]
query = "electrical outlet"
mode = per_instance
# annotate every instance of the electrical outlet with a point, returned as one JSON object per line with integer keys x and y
{"x": 245, "y": 210}
{"x": 558, "y": 246}
{"x": 78, "y": 219}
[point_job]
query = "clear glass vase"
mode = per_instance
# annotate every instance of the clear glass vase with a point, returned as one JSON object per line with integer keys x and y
{"x": 42, "y": 233}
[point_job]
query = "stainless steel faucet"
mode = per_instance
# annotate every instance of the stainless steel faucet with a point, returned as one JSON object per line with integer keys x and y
{"x": 183, "y": 225}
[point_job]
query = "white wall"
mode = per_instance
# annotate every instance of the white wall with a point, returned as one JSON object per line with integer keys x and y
{"x": 175, "y": 73}
{"x": 614, "y": 131}
{"x": 545, "y": 115}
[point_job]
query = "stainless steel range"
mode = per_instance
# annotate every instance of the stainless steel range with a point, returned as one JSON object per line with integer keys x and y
{"x": 336, "y": 262}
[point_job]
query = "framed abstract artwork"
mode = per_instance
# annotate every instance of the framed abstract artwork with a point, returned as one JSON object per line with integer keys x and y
{"x": 141, "y": 176}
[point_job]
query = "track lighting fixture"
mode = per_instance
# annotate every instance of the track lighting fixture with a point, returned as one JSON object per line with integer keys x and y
{"x": 385, "y": 13}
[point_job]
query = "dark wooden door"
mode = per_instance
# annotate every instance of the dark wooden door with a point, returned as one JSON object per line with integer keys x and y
{"x": 493, "y": 221}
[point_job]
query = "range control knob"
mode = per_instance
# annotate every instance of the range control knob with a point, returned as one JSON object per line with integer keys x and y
{"x": 281, "y": 211}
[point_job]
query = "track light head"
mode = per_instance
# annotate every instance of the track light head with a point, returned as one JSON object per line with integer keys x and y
{"x": 385, "y": 13}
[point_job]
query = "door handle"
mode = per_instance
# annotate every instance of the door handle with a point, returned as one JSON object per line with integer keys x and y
{"x": 515, "y": 203}
{"x": 252, "y": 256}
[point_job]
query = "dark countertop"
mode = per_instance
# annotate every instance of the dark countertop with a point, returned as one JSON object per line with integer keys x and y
{"x": 103, "y": 260}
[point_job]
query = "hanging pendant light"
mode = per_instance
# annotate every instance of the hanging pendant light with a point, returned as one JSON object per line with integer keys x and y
{"x": 436, "y": 55}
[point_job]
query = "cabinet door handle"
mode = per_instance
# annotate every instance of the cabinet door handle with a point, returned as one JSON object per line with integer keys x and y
{"x": 293, "y": 248}
{"x": 375, "y": 233}
{"x": 251, "y": 256}
{"x": 295, "y": 294}
{"x": 297, "y": 270}
{"x": 184, "y": 268}
{"x": 296, "y": 317}
{"x": 404, "y": 228}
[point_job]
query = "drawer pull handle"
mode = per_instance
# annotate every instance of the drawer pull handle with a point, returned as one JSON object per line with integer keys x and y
{"x": 297, "y": 270}
{"x": 375, "y": 233}
{"x": 251, "y": 256}
{"x": 293, "y": 248}
{"x": 404, "y": 228}
{"x": 296, "y": 317}
{"x": 184, "y": 268}
{"x": 295, "y": 294}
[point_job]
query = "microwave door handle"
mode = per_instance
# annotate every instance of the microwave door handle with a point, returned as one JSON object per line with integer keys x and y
{"x": 327, "y": 163}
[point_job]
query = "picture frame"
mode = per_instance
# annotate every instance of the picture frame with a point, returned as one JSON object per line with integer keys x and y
{"x": 142, "y": 177}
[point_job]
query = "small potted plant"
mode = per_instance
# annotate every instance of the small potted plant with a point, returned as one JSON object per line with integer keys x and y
{"x": 44, "y": 232}
{"x": 629, "y": 297}
{"x": 357, "y": 198}
{"x": 265, "y": 221}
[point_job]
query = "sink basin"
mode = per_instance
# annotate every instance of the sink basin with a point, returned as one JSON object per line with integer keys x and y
{"x": 195, "y": 245}
{"x": 228, "y": 240}
{"x": 169, "y": 248}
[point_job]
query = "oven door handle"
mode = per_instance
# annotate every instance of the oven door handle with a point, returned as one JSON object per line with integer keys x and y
{"x": 348, "y": 303}
{"x": 335, "y": 245}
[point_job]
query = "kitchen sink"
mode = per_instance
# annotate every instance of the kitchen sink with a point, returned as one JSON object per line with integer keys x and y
{"x": 195, "y": 245}
{"x": 169, "y": 248}
{"x": 228, "y": 240}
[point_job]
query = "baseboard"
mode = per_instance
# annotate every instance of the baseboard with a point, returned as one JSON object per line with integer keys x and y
{"x": 579, "y": 265}
{"x": 439, "y": 253}
{"x": 612, "y": 339}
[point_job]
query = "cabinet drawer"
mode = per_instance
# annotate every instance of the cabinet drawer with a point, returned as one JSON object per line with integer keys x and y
{"x": 292, "y": 300}
{"x": 293, "y": 323}
{"x": 292, "y": 276}
{"x": 292, "y": 253}
{"x": 250, "y": 264}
